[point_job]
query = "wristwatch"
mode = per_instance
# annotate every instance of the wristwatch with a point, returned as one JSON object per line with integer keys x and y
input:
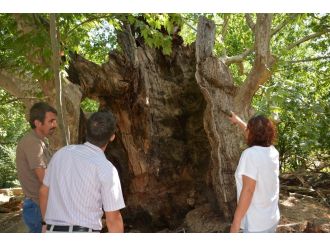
{"x": 43, "y": 223}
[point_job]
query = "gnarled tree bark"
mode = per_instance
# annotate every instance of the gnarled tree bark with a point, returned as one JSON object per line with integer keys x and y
{"x": 161, "y": 150}
{"x": 167, "y": 152}
{"x": 217, "y": 85}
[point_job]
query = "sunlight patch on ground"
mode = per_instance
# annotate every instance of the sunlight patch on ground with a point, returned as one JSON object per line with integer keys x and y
{"x": 4, "y": 198}
{"x": 289, "y": 202}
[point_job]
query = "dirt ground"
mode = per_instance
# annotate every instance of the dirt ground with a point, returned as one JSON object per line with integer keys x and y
{"x": 11, "y": 213}
{"x": 12, "y": 223}
{"x": 298, "y": 214}
{"x": 303, "y": 214}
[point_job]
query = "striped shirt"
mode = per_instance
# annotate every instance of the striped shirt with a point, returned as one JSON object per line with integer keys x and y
{"x": 81, "y": 181}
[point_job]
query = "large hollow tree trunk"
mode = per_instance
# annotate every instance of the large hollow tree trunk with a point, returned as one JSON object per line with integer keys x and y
{"x": 175, "y": 148}
{"x": 161, "y": 151}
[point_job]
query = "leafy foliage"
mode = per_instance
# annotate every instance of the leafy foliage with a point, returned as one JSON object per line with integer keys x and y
{"x": 17, "y": 51}
{"x": 300, "y": 102}
{"x": 156, "y": 30}
{"x": 89, "y": 105}
{"x": 91, "y": 35}
{"x": 299, "y": 93}
{"x": 8, "y": 175}
{"x": 12, "y": 126}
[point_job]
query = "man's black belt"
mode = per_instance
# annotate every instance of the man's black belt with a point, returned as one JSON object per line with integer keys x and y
{"x": 57, "y": 228}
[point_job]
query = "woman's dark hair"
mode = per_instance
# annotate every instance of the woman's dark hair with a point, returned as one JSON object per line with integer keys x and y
{"x": 100, "y": 127}
{"x": 262, "y": 131}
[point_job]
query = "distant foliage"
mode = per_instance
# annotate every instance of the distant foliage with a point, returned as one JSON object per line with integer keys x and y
{"x": 8, "y": 175}
{"x": 302, "y": 108}
{"x": 298, "y": 96}
{"x": 12, "y": 126}
{"x": 89, "y": 105}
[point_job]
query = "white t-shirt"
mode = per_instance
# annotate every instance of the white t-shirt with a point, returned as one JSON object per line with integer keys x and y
{"x": 81, "y": 182}
{"x": 262, "y": 165}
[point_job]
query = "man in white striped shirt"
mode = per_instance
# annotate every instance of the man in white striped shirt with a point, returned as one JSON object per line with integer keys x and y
{"x": 80, "y": 181}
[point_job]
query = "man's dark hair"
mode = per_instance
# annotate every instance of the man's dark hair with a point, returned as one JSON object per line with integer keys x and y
{"x": 38, "y": 112}
{"x": 100, "y": 127}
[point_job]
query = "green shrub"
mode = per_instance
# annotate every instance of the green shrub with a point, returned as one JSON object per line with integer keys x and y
{"x": 12, "y": 126}
{"x": 8, "y": 174}
{"x": 303, "y": 111}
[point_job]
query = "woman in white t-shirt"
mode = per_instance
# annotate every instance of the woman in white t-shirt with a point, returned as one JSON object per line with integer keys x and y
{"x": 257, "y": 178}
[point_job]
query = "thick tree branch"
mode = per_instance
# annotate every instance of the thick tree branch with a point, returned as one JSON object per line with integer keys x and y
{"x": 250, "y": 22}
{"x": 261, "y": 70}
{"x": 18, "y": 87}
{"x": 98, "y": 80}
{"x": 308, "y": 37}
{"x": 238, "y": 58}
